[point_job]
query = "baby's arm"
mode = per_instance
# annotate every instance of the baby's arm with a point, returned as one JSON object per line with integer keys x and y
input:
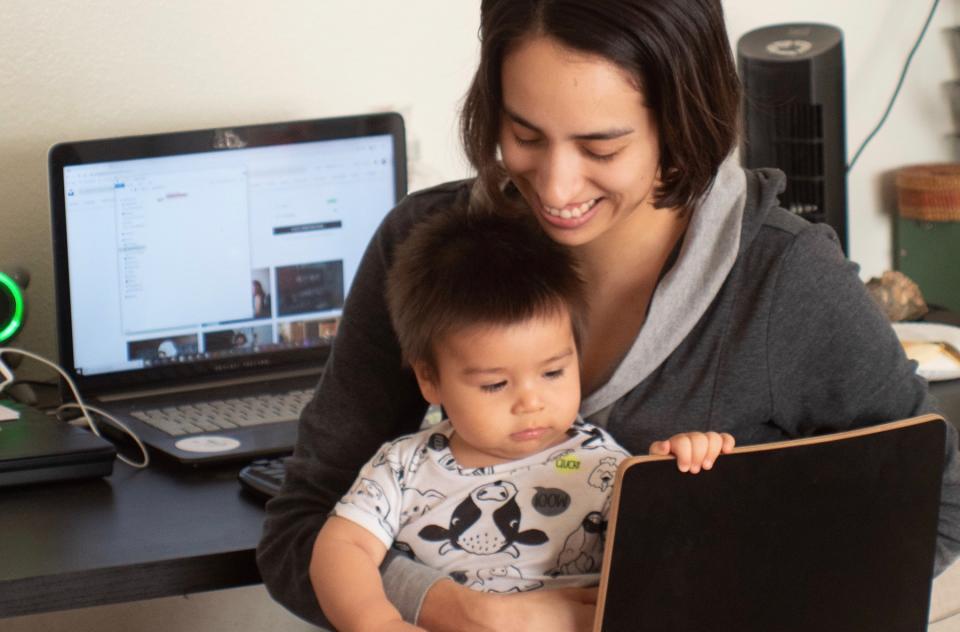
{"x": 695, "y": 450}
{"x": 344, "y": 571}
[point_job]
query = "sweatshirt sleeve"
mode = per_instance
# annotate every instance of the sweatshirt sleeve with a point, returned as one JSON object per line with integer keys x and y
{"x": 837, "y": 364}
{"x": 364, "y": 399}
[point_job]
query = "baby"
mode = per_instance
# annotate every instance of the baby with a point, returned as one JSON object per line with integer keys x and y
{"x": 511, "y": 491}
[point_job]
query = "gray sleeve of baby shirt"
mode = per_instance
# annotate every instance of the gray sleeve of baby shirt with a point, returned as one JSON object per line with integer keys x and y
{"x": 406, "y": 583}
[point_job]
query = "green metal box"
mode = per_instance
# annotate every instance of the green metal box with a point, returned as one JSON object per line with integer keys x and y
{"x": 929, "y": 253}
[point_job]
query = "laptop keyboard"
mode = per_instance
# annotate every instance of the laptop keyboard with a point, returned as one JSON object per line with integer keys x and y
{"x": 225, "y": 414}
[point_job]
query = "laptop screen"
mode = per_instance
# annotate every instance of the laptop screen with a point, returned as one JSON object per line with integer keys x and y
{"x": 209, "y": 259}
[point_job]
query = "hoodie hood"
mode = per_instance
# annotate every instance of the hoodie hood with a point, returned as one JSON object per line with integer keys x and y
{"x": 724, "y": 223}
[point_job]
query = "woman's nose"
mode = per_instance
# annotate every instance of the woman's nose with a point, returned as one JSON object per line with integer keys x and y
{"x": 558, "y": 178}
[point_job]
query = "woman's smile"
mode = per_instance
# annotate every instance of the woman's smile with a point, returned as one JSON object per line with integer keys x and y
{"x": 572, "y": 215}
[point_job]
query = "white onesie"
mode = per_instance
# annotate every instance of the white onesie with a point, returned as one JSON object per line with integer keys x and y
{"x": 522, "y": 525}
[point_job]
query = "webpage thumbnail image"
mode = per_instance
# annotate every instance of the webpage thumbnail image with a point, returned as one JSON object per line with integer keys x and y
{"x": 308, "y": 333}
{"x": 309, "y": 287}
{"x": 238, "y": 340}
{"x": 162, "y": 350}
{"x": 261, "y": 292}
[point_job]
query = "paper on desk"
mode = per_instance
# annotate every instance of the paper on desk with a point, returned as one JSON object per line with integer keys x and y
{"x": 8, "y": 414}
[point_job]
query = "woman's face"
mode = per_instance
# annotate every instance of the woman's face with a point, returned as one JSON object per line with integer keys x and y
{"x": 577, "y": 140}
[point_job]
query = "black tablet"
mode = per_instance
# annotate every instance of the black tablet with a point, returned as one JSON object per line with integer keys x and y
{"x": 833, "y": 532}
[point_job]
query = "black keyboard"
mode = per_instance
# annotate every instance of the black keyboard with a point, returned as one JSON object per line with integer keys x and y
{"x": 264, "y": 477}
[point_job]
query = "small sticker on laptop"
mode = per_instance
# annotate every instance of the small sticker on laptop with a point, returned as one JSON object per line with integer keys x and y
{"x": 207, "y": 443}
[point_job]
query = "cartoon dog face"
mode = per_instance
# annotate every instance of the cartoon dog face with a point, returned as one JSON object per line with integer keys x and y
{"x": 416, "y": 503}
{"x": 388, "y": 457}
{"x": 370, "y": 493}
{"x": 603, "y": 475}
{"x": 503, "y": 579}
{"x": 484, "y": 523}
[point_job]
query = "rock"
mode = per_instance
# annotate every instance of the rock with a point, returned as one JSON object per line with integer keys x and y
{"x": 898, "y": 296}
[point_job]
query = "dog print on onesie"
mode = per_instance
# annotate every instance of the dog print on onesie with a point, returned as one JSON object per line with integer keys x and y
{"x": 486, "y": 522}
{"x": 531, "y": 523}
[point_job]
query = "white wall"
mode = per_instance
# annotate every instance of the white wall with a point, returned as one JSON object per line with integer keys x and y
{"x": 72, "y": 69}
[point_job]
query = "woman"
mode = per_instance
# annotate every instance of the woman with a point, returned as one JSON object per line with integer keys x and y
{"x": 710, "y": 308}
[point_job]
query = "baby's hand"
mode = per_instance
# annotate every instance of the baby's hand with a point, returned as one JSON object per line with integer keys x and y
{"x": 694, "y": 450}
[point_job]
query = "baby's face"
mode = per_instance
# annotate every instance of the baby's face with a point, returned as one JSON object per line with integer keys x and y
{"x": 509, "y": 391}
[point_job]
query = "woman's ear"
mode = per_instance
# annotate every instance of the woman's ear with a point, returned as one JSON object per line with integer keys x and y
{"x": 426, "y": 379}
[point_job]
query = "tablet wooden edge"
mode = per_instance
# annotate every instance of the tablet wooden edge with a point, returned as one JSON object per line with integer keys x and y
{"x": 776, "y": 445}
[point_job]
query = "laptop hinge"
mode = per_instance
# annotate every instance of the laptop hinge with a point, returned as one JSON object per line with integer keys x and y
{"x": 200, "y": 386}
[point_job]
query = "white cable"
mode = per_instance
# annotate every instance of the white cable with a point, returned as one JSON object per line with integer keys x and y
{"x": 85, "y": 410}
{"x": 116, "y": 422}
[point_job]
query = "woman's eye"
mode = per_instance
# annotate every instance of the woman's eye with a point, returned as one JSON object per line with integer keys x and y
{"x": 552, "y": 375}
{"x": 493, "y": 388}
{"x": 600, "y": 156}
{"x": 525, "y": 142}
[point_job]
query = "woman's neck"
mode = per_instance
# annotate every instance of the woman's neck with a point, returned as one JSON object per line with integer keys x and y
{"x": 633, "y": 256}
{"x": 622, "y": 270}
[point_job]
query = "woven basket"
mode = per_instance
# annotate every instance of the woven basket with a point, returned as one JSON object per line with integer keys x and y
{"x": 929, "y": 193}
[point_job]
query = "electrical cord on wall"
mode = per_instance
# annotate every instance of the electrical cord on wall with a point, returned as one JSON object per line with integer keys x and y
{"x": 8, "y": 378}
{"x": 896, "y": 92}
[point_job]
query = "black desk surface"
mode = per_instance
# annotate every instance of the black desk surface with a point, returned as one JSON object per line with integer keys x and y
{"x": 135, "y": 535}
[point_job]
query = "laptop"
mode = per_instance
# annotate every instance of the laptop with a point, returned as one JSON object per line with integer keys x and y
{"x": 201, "y": 275}
{"x": 831, "y": 533}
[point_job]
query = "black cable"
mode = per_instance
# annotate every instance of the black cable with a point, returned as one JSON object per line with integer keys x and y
{"x": 903, "y": 75}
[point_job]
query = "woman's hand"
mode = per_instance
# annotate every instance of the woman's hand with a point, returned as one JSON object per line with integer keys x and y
{"x": 450, "y": 606}
{"x": 694, "y": 450}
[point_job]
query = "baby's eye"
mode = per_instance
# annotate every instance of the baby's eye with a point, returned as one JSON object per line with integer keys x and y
{"x": 493, "y": 388}
{"x": 552, "y": 375}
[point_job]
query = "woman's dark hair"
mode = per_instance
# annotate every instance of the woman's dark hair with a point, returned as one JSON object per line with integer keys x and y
{"x": 458, "y": 269}
{"x": 678, "y": 53}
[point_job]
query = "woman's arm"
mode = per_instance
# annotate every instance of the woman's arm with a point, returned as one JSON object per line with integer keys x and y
{"x": 345, "y": 576}
{"x": 836, "y": 363}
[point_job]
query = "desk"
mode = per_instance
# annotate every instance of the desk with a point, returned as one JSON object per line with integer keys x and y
{"x": 135, "y": 535}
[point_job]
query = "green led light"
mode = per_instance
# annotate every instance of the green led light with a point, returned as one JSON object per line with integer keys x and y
{"x": 13, "y": 326}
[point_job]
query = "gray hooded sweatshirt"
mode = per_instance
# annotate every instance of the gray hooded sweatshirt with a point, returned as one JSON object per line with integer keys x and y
{"x": 760, "y": 328}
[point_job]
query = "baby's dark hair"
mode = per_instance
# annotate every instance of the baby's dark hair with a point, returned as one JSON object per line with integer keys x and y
{"x": 461, "y": 268}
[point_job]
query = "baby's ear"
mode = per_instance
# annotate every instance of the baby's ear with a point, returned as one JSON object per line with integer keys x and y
{"x": 426, "y": 379}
